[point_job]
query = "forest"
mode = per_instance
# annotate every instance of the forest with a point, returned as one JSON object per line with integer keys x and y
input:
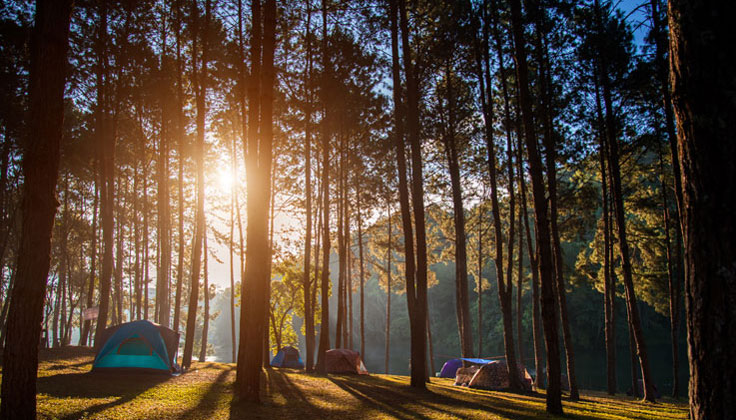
{"x": 542, "y": 182}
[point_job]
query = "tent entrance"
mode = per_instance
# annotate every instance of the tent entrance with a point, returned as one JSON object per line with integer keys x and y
{"x": 135, "y": 346}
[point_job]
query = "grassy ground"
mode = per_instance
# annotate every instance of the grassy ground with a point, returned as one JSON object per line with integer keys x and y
{"x": 67, "y": 390}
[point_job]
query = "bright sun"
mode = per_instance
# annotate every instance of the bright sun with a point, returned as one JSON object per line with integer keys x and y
{"x": 226, "y": 181}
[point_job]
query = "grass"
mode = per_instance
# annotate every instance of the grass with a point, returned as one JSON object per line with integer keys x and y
{"x": 67, "y": 390}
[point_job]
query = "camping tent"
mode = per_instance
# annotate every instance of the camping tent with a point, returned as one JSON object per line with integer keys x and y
{"x": 344, "y": 361}
{"x": 449, "y": 369}
{"x": 138, "y": 345}
{"x": 287, "y": 357}
{"x": 495, "y": 375}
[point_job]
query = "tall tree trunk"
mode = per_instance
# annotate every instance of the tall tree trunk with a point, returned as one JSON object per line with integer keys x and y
{"x": 306, "y": 282}
{"x": 416, "y": 293}
{"x": 534, "y": 268}
{"x": 479, "y": 281}
{"x": 244, "y": 110}
{"x": 349, "y": 274}
{"x": 519, "y": 290}
{"x": 63, "y": 260}
{"x": 266, "y": 334}
{"x": 57, "y": 306}
{"x": 340, "y": 321}
{"x": 49, "y": 43}
{"x": 107, "y": 174}
{"x": 619, "y": 214}
{"x": 206, "y": 326}
{"x": 410, "y": 268}
{"x": 550, "y": 144}
{"x": 5, "y": 222}
{"x": 388, "y": 293}
{"x": 180, "y": 131}
{"x": 317, "y": 245}
{"x": 258, "y": 256}
{"x": 233, "y": 209}
{"x": 675, "y": 260}
{"x": 137, "y": 239}
{"x": 362, "y": 274}
{"x": 532, "y": 252}
{"x": 702, "y": 94}
{"x": 163, "y": 271}
{"x": 119, "y": 253}
{"x": 505, "y": 286}
{"x": 200, "y": 83}
{"x": 609, "y": 289}
{"x": 461, "y": 260}
{"x": 324, "y": 330}
{"x": 145, "y": 243}
{"x": 84, "y": 337}
{"x": 554, "y": 402}
{"x": 632, "y": 354}
{"x": 671, "y": 279}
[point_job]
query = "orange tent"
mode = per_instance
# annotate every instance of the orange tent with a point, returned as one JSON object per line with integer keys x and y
{"x": 344, "y": 361}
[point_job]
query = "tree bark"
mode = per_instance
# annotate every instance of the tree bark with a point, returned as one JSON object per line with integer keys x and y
{"x": 340, "y": 321}
{"x": 554, "y": 403}
{"x": 205, "y": 327}
{"x": 137, "y": 237}
{"x": 57, "y": 306}
{"x": 519, "y": 289}
{"x": 671, "y": 279}
{"x": 619, "y": 214}
{"x": 146, "y": 247}
{"x": 324, "y": 329}
{"x": 533, "y": 264}
{"x": 163, "y": 271}
{"x": 349, "y": 274}
{"x": 461, "y": 260}
{"x": 505, "y": 285}
{"x": 550, "y": 144}
{"x": 119, "y": 252}
{"x": 609, "y": 286}
{"x": 180, "y": 130}
{"x": 258, "y": 255}
{"x": 362, "y": 276}
{"x": 388, "y": 293}
{"x": 479, "y": 281}
{"x": 200, "y": 83}
{"x": 107, "y": 175}
{"x": 701, "y": 73}
{"x": 674, "y": 260}
{"x": 416, "y": 293}
{"x": 306, "y": 282}
{"x": 48, "y": 48}
{"x": 233, "y": 209}
{"x": 63, "y": 261}
{"x": 84, "y": 338}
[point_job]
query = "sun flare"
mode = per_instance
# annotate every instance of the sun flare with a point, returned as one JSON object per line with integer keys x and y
{"x": 226, "y": 181}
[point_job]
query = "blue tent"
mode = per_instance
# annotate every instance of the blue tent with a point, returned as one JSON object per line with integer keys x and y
{"x": 287, "y": 357}
{"x": 138, "y": 345}
{"x": 451, "y": 366}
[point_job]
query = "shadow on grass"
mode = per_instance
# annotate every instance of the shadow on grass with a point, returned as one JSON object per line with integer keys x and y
{"x": 64, "y": 353}
{"x": 69, "y": 366}
{"x": 208, "y": 402}
{"x": 404, "y": 402}
{"x": 292, "y": 393}
{"x": 124, "y": 386}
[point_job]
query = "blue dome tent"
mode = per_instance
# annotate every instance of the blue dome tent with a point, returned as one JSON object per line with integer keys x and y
{"x": 287, "y": 357}
{"x": 140, "y": 346}
{"x": 451, "y": 366}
